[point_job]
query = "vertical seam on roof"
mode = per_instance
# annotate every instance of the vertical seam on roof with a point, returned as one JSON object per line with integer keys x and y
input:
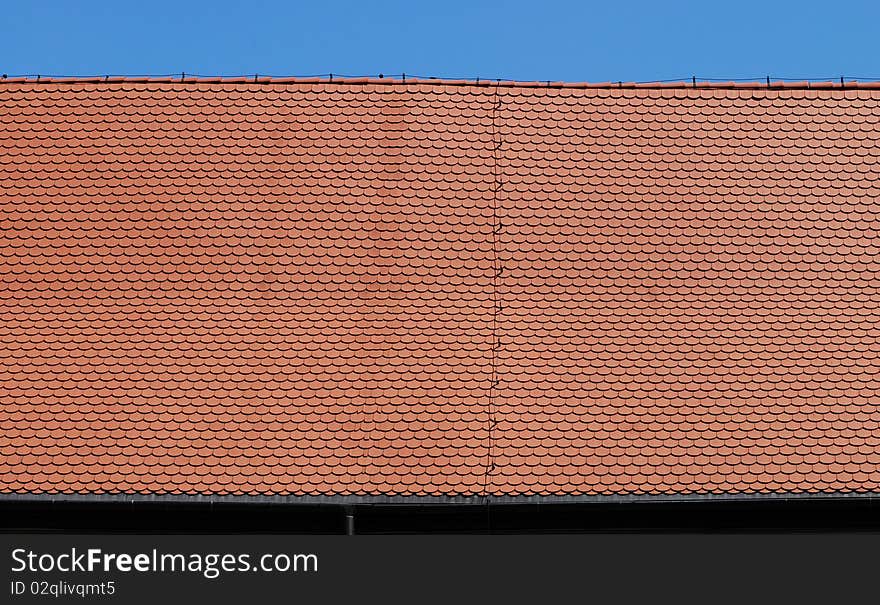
{"x": 496, "y": 273}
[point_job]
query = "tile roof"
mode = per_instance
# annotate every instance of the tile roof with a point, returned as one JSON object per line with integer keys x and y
{"x": 354, "y": 288}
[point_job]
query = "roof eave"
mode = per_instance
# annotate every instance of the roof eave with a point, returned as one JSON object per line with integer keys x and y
{"x": 410, "y": 500}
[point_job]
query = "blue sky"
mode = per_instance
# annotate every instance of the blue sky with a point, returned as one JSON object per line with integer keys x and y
{"x": 537, "y": 40}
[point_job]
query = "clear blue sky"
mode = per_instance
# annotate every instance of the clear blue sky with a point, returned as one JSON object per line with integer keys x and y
{"x": 536, "y": 40}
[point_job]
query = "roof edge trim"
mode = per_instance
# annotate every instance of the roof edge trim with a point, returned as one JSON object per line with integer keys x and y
{"x": 431, "y": 500}
{"x": 480, "y": 83}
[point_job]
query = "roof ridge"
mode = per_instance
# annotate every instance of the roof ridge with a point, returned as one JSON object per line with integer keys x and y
{"x": 183, "y": 78}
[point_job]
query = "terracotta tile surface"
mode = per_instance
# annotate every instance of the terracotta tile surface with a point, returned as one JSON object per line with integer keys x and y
{"x": 434, "y": 289}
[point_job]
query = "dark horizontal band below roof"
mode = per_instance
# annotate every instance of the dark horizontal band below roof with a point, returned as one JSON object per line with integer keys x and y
{"x": 339, "y": 500}
{"x": 684, "y": 84}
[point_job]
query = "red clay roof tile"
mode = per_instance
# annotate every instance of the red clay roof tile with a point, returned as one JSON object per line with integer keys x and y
{"x": 438, "y": 288}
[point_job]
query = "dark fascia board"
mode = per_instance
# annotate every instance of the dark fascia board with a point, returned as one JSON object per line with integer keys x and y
{"x": 392, "y": 500}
